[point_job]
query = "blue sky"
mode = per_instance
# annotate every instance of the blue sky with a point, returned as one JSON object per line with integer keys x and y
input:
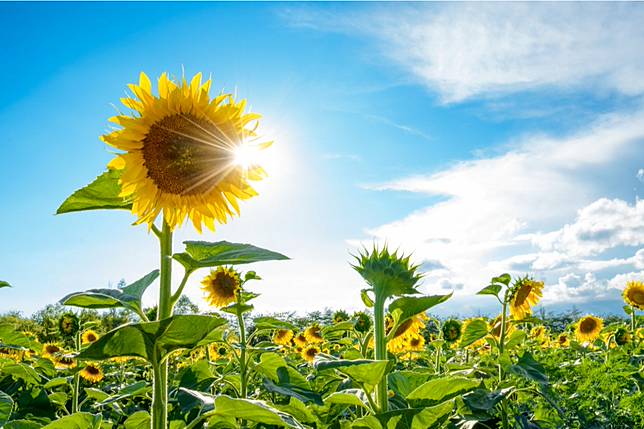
{"x": 484, "y": 138}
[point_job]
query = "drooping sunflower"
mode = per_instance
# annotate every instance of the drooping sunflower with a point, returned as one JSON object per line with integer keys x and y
{"x": 181, "y": 152}
{"x": 622, "y": 336}
{"x": 363, "y": 322}
{"x": 221, "y": 286}
{"x": 92, "y": 373}
{"x": 89, "y": 337}
{"x": 406, "y": 331}
{"x": 340, "y": 316}
{"x": 283, "y": 337}
{"x": 309, "y": 352}
{"x": 588, "y": 328}
{"x": 313, "y": 334}
{"x": 525, "y": 294}
{"x": 13, "y": 353}
{"x": 65, "y": 362}
{"x": 299, "y": 340}
{"x": 68, "y": 324}
{"x": 634, "y": 294}
{"x": 451, "y": 330}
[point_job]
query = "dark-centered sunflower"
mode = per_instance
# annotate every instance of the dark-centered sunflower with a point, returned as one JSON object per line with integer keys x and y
{"x": 221, "y": 286}
{"x": 182, "y": 152}
{"x": 313, "y": 334}
{"x": 309, "y": 352}
{"x": 299, "y": 340}
{"x": 634, "y": 294}
{"x": 525, "y": 294}
{"x": 283, "y": 337}
{"x": 588, "y": 328}
{"x": 92, "y": 373}
{"x": 451, "y": 330}
{"x": 89, "y": 336}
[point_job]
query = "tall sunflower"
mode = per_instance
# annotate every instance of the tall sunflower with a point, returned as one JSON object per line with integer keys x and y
{"x": 588, "y": 328}
{"x": 524, "y": 295}
{"x": 181, "y": 152}
{"x": 634, "y": 294}
{"x": 221, "y": 286}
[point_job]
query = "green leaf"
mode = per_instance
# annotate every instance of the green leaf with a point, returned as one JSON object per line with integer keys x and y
{"x": 22, "y": 424}
{"x": 628, "y": 309}
{"x": 255, "y": 411}
{"x": 274, "y": 367}
{"x": 102, "y": 193}
{"x": 530, "y": 369}
{"x": 201, "y": 254}
{"x": 6, "y": 406}
{"x": 56, "y": 382}
{"x": 4, "y": 284}
{"x": 20, "y": 371}
{"x": 404, "y": 382}
{"x": 139, "y": 388}
{"x": 474, "y": 331}
{"x": 128, "y": 297}
{"x": 368, "y": 422}
{"x": 366, "y": 299}
{"x": 290, "y": 390}
{"x": 238, "y": 308}
{"x": 272, "y": 323}
{"x": 515, "y": 339}
{"x": 360, "y": 370}
{"x": 77, "y": 421}
{"x": 409, "y": 306}
{"x": 138, "y": 420}
{"x": 151, "y": 340}
{"x": 503, "y": 279}
{"x": 482, "y": 400}
{"x": 96, "y": 394}
{"x": 430, "y": 416}
{"x": 355, "y": 397}
{"x": 441, "y": 389}
{"x": 492, "y": 289}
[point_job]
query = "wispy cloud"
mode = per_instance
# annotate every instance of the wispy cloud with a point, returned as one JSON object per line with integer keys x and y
{"x": 405, "y": 128}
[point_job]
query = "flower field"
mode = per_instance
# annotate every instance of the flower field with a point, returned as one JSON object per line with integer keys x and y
{"x": 185, "y": 160}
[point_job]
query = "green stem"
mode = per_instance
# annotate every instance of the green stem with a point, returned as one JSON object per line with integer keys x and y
{"x": 380, "y": 345}
{"x": 504, "y": 412}
{"x": 76, "y": 378}
{"x": 159, "y": 417}
{"x": 633, "y": 321}
{"x": 182, "y": 285}
{"x": 242, "y": 355}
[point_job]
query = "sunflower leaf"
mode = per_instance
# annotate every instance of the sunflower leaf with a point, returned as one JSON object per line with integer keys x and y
{"x": 474, "y": 331}
{"x": 102, "y": 193}
{"x": 492, "y": 289}
{"x": 155, "y": 340}
{"x": 253, "y": 410}
{"x": 409, "y": 306}
{"x": 530, "y": 369}
{"x": 441, "y": 389}
{"x": 201, "y": 254}
{"x": 361, "y": 370}
{"x": 4, "y": 284}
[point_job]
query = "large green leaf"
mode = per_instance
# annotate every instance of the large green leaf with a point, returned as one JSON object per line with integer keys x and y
{"x": 431, "y": 417}
{"x": 6, "y": 406}
{"x": 272, "y": 323}
{"x": 128, "y": 297}
{"x": 404, "y": 382}
{"x": 441, "y": 389}
{"x": 360, "y": 370}
{"x": 102, "y": 193}
{"x": 492, "y": 289}
{"x": 21, "y": 371}
{"x": 290, "y": 390}
{"x": 474, "y": 331}
{"x": 483, "y": 400}
{"x": 274, "y": 367}
{"x": 77, "y": 421}
{"x": 154, "y": 340}
{"x": 138, "y": 420}
{"x": 409, "y": 306}
{"x": 200, "y": 254}
{"x": 4, "y": 284}
{"x": 530, "y": 369}
{"x": 355, "y": 397}
{"x": 22, "y": 424}
{"x": 254, "y": 411}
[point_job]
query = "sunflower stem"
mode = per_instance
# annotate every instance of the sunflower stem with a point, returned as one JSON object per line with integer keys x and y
{"x": 504, "y": 412}
{"x": 380, "y": 345}
{"x": 159, "y": 413}
{"x": 242, "y": 355}
{"x": 633, "y": 326}
{"x": 76, "y": 378}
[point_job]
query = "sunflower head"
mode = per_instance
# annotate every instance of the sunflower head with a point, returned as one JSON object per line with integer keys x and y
{"x": 51, "y": 350}
{"x": 387, "y": 273}
{"x": 300, "y": 340}
{"x": 283, "y": 337}
{"x": 405, "y": 332}
{"x": 524, "y": 294}
{"x": 92, "y": 373}
{"x": 363, "y": 322}
{"x": 184, "y": 153}
{"x": 634, "y": 294}
{"x": 588, "y": 328}
{"x": 416, "y": 344}
{"x": 89, "y": 337}
{"x": 313, "y": 334}
{"x": 65, "y": 362}
{"x": 309, "y": 352}
{"x": 451, "y": 330}
{"x": 221, "y": 286}
{"x": 340, "y": 316}
{"x": 563, "y": 340}
{"x": 68, "y": 324}
{"x": 622, "y": 336}
{"x": 217, "y": 351}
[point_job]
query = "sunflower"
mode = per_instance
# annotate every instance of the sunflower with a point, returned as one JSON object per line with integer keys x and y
{"x": 588, "y": 328}
{"x": 451, "y": 330}
{"x": 409, "y": 329}
{"x": 89, "y": 336}
{"x": 415, "y": 344}
{"x": 340, "y": 316}
{"x": 622, "y": 336}
{"x": 634, "y": 294}
{"x": 283, "y": 337}
{"x": 50, "y": 350}
{"x": 563, "y": 340}
{"x": 13, "y": 353}
{"x": 92, "y": 373}
{"x": 309, "y": 352}
{"x": 65, "y": 362}
{"x": 217, "y": 351}
{"x": 363, "y": 322}
{"x": 68, "y": 324}
{"x": 299, "y": 340}
{"x": 495, "y": 327}
{"x": 183, "y": 152}
{"x": 525, "y": 294}
{"x": 313, "y": 334}
{"x": 221, "y": 286}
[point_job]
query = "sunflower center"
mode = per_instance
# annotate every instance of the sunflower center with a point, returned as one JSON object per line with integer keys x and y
{"x": 637, "y": 296}
{"x": 522, "y": 294}
{"x": 92, "y": 370}
{"x": 225, "y": 285}
{"x": 587, "y": 326}
{"x": 185, "y": 155}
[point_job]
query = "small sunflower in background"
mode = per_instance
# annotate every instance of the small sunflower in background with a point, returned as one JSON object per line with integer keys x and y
{"x": 89, "y": 337}
{"x": 634, "y": 294}
{"x": 313, "y": 334}
{"x": 217, "y": 351}
{"x": 185, "y": 154}
{"x": 283, "y": 337}
{"x": 340, "y": 316}
{"x": 410, "y": 328}
{"x": 622, "y": 336}
{"x": 563, "y": 340}
{"x": 65, "y": 362}
{"x": 50, "y": 351}
{"x": 525, "y": 294}
{"x": 588, "y": 328}
{"x": 68, "y": 324}
{"x": 451, "y": 330}
{"x": 221, "y": 286}
{"x": 300, "y": 340}
{"x": 92, "y": 372}
{"x": 363, "y": 322}
{"x": 309, "y": 352}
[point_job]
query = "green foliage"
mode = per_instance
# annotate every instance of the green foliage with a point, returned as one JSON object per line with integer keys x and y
{"x": 102, "y": 193}
{"x": 201, "y": 254}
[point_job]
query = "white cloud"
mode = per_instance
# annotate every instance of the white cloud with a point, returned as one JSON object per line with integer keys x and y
{"x": 464, "y": 50}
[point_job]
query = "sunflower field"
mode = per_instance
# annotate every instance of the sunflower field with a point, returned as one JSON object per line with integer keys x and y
{"x": 107, "y": 362}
